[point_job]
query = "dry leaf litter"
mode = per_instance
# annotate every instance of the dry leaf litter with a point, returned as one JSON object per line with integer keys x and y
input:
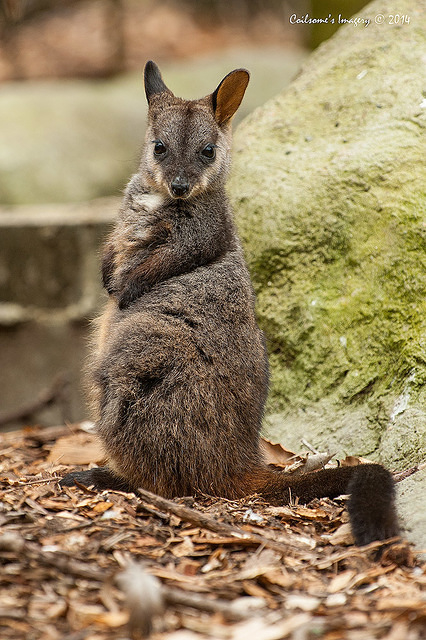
{"x": 82, "y": 565}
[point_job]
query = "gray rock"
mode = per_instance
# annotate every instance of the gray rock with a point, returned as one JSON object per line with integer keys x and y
{"x": 411, "y": 507}
{"x": 50, "y": 288}
{"x": 328, "y": 185}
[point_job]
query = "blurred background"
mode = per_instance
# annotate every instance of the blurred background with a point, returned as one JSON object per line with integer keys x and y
{"x": 72, "y": 113}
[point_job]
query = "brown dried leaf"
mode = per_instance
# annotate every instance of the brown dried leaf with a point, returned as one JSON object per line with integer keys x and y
{"x": 101, "y": 507}
{"x": 147, "y": 541}
{"x": 314, "y": 462}
{"x": 259, "y": 563}
{"x": 399, "y": 553}
{"x": 78, "y": 448}
{"x": 369, "y": 576}
{"x": 392, "y": 603}
{"x": 353, "y": 461}
{"x": 84, "y": 615}
{"x": 338, "y": 599}
{"x": 275, "y": 453}
{"x": 341, "y": 581}
{"x": 171, "y": 574}
{"x": 342, "y": 536}
{"x": 283, "y": 512}
{"x": 255, "y": 590}
{"x": 302, "y": 601}
{"x": 262, "y": 629}
{"x": 311, "y": 513}
{"x": 185, "y": 548}
{"x": 280, "y": 577}
{"x": 112, "y": 619}
{"x": 214, "y": 562}
{"x": 189, "y": 567}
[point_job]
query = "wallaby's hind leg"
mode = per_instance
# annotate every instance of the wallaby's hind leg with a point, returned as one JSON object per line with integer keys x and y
{"x": 100, "y": 478}
{"x": 371, "y": 505}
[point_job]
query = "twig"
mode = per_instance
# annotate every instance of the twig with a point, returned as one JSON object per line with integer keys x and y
{"x": 12, "y": 541}
{"x": 353, "y": 551}
{"x": 26, "y": 483}
{"x": 309, "y": 446}
{"x": 207, "y": 522}
{"x": 60, "y": 561}
{"x": 176, "y": 597}
{"x": 406, "y": 473}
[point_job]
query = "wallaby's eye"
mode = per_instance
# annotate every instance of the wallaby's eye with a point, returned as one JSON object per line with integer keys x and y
{"x": 159, "y": 148}
{"x": 209, "y": 152}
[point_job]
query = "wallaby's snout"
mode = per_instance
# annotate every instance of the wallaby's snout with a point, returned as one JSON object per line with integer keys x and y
{"x": 179, "y": 186}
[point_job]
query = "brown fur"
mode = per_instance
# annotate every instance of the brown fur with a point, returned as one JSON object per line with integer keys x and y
{"x": 180, "y": 375}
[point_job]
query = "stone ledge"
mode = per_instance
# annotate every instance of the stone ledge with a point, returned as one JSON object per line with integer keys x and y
{"x": 50, "y": 289}
{"x": 49, "y": 259}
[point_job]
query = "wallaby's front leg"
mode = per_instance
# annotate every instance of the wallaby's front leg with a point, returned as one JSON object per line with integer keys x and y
{"x": 140, "y": 280}
{"x": 164, "y": 254}
{"x": 133, "y": 283}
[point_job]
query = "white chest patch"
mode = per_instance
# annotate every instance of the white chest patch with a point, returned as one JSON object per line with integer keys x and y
{"x": 149, "y": 201}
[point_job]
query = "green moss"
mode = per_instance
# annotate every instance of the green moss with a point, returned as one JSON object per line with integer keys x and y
{"x": 327, "y": 186}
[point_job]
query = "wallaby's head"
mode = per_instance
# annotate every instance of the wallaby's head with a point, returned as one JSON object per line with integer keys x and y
{"x": 187, "y": 145}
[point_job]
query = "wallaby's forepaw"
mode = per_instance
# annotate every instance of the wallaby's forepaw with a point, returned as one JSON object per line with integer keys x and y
{"x": 100, "y": 478}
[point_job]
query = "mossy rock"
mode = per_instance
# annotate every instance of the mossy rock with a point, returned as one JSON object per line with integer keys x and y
{"x": 328, "y": 186}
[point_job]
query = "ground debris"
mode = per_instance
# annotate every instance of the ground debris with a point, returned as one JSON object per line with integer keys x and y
{"x": 220, "y": 568}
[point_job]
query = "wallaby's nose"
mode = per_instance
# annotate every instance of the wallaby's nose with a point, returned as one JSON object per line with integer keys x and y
{"x": 180, "y": 186}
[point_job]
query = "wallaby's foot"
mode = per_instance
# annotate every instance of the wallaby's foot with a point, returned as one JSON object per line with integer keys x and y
{"x": 99, "y": 478}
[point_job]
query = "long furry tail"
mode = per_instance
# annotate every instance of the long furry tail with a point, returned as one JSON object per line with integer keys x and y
{"x": 372, "y": 496}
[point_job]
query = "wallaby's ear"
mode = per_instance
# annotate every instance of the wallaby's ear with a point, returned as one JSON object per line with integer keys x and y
{"x": 227, "y": 97}
{"x": 153, "y": 80}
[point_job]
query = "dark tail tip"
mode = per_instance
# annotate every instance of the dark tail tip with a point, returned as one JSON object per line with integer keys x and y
{"x": 372, "y": 504}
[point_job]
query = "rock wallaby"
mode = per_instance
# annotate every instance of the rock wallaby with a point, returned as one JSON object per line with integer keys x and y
{"x": 180, "y": 372}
